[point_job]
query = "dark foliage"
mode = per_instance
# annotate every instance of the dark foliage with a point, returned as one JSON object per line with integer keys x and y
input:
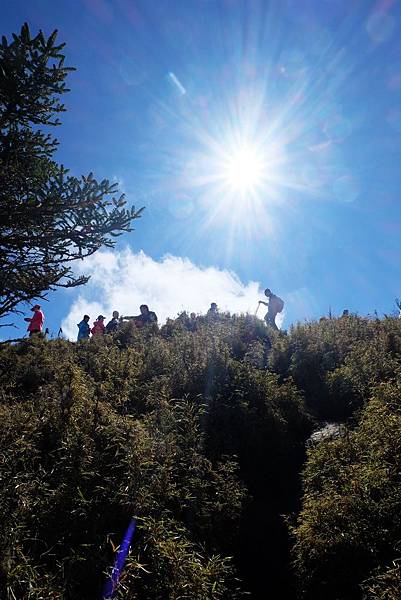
{"x": 335, "y": 362}
{"x": 177, "y": 428}
{"x": 193, "y": 435}
{"x": 349, "y": 529}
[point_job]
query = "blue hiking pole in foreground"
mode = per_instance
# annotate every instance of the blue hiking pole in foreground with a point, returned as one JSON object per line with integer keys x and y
{"x": 112, "y": 582}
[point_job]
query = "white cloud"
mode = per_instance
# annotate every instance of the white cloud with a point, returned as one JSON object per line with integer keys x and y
{"x": 124, "y": 280}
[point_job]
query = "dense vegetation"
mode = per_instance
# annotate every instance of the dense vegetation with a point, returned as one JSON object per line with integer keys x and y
{"x": 202, "y": 436}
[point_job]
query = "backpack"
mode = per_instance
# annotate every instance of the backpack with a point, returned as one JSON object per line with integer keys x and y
{"x": 279, "y": 303}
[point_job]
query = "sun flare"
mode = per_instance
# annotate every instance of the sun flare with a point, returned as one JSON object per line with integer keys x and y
{"x": 239, "y": 171}
{"x": 244, "y": 169}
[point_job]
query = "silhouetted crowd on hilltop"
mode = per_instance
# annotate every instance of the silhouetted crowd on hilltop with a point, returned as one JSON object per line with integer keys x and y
{"x": 146, "y": 317}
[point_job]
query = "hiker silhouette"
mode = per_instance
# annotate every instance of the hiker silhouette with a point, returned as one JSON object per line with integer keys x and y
{"x": 274, "y": 306}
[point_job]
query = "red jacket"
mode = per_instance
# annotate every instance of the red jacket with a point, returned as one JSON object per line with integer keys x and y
{"x": 36, "y": 322}
{"x": 98, "y": 328}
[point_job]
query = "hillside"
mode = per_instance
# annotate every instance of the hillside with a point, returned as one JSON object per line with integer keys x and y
{"x": 203, "y": 437}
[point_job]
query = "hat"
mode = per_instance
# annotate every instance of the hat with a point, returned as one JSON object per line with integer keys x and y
{"x": 36, "y": 307}
{"x": 101, "y": 318}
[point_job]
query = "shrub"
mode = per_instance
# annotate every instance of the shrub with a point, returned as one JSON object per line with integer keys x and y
{"x": 350, "y": 523}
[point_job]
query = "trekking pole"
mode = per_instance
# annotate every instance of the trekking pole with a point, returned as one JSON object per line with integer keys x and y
{"x": 256, "y": 311}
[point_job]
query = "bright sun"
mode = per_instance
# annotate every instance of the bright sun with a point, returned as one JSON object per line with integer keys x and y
{"x": 244, "y": 169}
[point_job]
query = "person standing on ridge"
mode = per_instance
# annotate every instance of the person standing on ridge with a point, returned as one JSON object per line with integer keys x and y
{"x": 35, "y": 322}
{"x": 274, "y": 306}
{"x": 84, "y": 329}
{"x": 112, "y": 325}
{"x": 98, "y": 326}
{"x": 213, "y": 310}
{"x": 147, "y": 317}
{"x": 192, "y": 324}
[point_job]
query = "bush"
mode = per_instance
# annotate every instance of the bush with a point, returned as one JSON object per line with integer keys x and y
{"x": 335, "y": 362}
{"x": 350, "y": 523}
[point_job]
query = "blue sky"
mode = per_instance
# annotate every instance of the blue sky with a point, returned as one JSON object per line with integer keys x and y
{"x": 166, "y": 90}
